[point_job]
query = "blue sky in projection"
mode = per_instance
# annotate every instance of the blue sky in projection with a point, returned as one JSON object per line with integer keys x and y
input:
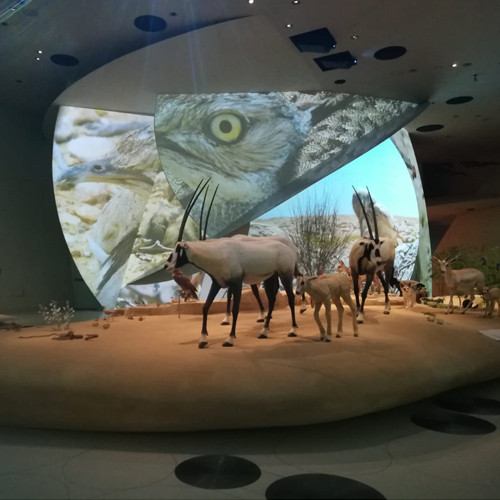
{"x": 381, "y": 169}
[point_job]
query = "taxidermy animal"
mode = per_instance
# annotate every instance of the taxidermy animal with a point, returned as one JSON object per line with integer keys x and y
{"x": 370, "y": 256}
{"x": 409, "y": 290}
{"x": 323, "y": 290}
{"x": 460, "y": 281}
{"x": 342, "y": 268}
{"x": 188, "y": 290}
{"x": 491, "y": 295}
{"x": 230, "y": 262}
{"x": 385, "y": 223}
{"x": 255, "y": 288}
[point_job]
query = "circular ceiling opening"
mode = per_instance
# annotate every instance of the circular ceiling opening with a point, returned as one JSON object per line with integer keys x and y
{"x": 392, "y": 52}
{"x": 429, "y": 128}
{"x": 150, "y": 23}
{"x": 459, "y": 100}
{"x": 64, "y": 60}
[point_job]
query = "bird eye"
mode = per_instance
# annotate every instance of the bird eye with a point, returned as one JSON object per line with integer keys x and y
{"x": 226, "y": 126}
{"x": 98, "y": 168}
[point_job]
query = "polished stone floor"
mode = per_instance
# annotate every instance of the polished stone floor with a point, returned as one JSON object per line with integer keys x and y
{"x": 444, "y": 447}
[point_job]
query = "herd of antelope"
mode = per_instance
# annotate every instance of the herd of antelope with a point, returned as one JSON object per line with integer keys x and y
{"x": 269, "y": 260}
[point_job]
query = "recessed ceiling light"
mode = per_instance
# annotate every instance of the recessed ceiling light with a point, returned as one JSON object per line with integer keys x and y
{"x": 289, "y": 25}
{"x": 296, "y": 2}
{"x": 40, "y": 51}
{"x": 354, "y": 37}
{"x": 392, "y": 52}
{"x": 460, "y": 100}
{"x": 429, "y": 128}
{"x": 250, "y": 1}
{"x": 454, "y": 65}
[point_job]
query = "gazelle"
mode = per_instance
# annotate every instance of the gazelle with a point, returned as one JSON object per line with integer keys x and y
{"x": 460, "y": 281}
{"x": 230, "y": 262}
{"x": 370, "y": 256}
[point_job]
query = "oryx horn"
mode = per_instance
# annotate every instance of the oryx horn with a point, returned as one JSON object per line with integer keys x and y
{"x": 203, "y": 234}
{"x": 190, "y": 205}
{"x": 208, "y": 213}
{"x": 364, "y": 213}
{"x": 374, "y": 217}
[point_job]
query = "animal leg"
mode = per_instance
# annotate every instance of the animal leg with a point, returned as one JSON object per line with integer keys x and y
{"x": 236, "y": 289}
{"x": 340, "y": 314}
{"x": 369, "y": 278}
{"x": 348, "y": 300}
{"x": 385, "y": 284}
{"x": 303, "y": 303}
{"x": 317, "y": 307}
{"x": 214, "y": 289}
{"x": 256, "y": 294}
{"x": 288, "y": 284}
{"x": 227, "y": 316}
{"x": 449, "y": 309}
{"x": 271, "y": 286}
{"x": 355, "y": 285}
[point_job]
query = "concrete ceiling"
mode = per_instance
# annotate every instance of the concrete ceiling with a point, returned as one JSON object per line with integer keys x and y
{"x": 250, "y": 50}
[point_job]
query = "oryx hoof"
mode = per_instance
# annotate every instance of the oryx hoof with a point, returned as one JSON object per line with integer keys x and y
{"x": 261, "y": 320}
{"x": 227, "y": 344}
{"x": 262, "y": 336}
{"x": 339, "y": 336}
{"x": 356, "y": 334}
{"x": 359, "y": 321}
{"x": 302, "y": 311}
{"x": 327, "y": 339}
{"x": 224, "y": 322}
{"x": 202, "y": 345}
{"x": 387, "y": 312}
{"x": 292, "y": 334}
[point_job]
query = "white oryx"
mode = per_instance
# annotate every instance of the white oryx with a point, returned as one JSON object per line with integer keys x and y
{"x": 323, "y": 290}
{"x": 460, "y": 281}
{"x": 255, "y": 288}
{"x": 370, "y": 256}
{"x": 230, "y": 262}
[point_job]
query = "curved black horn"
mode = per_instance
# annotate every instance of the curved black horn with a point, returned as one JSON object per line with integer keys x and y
{"x": 190, "y": 205}
{"x": 364, "y": 213}
{"x": 208, "y": 213}
{"x": 374, "y": 216}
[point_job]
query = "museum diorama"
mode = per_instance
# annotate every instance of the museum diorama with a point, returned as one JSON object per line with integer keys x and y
{"x": 215, "y": 231}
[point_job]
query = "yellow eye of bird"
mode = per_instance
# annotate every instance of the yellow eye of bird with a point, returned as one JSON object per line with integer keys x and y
{"x": 226, "y": 126}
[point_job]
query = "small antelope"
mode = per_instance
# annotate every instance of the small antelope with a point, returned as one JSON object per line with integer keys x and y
{"x": 460, "y": 281}
{"x": 491, "y": 295}
{"x": 323, "y": 290}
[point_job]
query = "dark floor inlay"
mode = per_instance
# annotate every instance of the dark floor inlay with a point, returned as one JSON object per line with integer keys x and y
{"x": 217, "y": 472}
{"x": 319, "y": 486}
{"x": 468, "y": 404}
{"x": 452, "y": 423}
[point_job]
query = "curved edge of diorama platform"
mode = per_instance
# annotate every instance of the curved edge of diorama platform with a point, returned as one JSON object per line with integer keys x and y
{"x": 146, "y": 373}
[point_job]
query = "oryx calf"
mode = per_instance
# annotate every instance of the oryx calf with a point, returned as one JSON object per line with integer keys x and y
{"x": 323, "y": 290}
{"x": 491, "y": 295}
{"x": 460, "y": 281}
